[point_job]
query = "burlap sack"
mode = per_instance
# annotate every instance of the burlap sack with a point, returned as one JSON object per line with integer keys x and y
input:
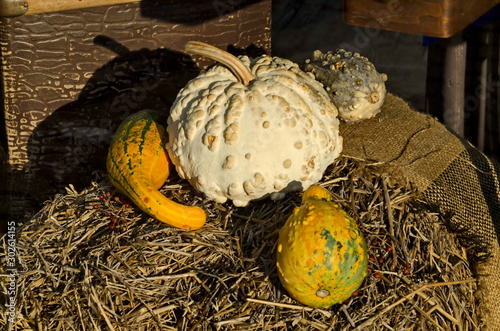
{"x": 453, "y": 177}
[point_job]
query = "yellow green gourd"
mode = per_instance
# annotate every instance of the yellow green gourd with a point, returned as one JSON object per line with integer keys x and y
{"x": 322, "y": 257}
{"x": 138, "y": 166}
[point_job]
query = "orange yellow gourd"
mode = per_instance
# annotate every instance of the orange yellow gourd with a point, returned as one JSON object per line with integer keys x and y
{"x": 138, "y": 166}
{"x": 322, "y": 255}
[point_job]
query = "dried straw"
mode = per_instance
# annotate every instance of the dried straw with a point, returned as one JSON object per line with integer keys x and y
{"x": 89, "y": 261}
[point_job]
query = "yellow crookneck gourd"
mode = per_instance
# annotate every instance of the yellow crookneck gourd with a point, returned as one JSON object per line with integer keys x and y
{"x": 322, "y": 255}
{"x": 138, "y": 166}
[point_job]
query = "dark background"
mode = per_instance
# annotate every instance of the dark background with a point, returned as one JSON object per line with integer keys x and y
{"x": 413, "y": 63}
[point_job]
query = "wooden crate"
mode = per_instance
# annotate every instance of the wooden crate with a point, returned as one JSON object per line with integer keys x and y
{"x": 70, "y": 76}
{"x": 436, "y": 18}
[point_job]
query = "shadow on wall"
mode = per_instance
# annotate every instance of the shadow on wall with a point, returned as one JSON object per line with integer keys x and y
{"x": 192, "y": 12}
{"x": 71, "y": 143}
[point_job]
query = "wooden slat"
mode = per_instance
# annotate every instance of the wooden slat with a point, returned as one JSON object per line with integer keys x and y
{"x": 436, "y": 18}
{"x": 45, "y": 6}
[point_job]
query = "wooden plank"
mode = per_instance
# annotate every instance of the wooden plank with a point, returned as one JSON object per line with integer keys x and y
{"x": 436, "y": 18}
{"x": 46, "y": 6}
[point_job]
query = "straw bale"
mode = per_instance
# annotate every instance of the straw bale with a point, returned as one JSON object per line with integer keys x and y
{"x": 88, "y": 260}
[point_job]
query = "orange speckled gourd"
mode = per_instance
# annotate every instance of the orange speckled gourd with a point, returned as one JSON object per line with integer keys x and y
{"x": 138, "y": 166}
{"x": 322, "y": 256}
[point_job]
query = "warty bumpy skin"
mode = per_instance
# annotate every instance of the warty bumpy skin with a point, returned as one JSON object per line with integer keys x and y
{"x": 352, "y": 82}
{"x": 237, "y": 142}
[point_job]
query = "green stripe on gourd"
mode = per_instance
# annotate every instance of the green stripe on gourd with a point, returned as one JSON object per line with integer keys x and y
{"x": 138, "y": 166}
{"x": 322, "y": 256}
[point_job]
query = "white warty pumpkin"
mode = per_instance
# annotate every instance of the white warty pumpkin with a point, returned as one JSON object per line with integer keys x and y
{"x": 251, "y": 128}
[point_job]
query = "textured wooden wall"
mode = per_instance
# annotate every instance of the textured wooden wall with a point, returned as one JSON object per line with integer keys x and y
{"x": 70, "y": 77}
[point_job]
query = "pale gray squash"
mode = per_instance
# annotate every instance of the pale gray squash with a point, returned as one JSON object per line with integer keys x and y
{"x": 352, "y": 81}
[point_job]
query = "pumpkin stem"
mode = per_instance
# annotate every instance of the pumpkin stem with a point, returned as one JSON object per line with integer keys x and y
{"x": 232, "y": 62}
{"x": 318, "y": 193}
